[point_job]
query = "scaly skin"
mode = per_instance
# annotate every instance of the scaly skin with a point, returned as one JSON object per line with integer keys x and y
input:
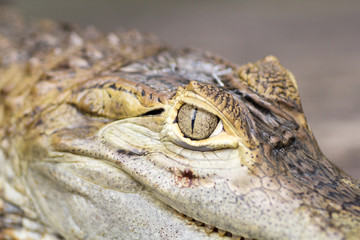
{"x": 90, "y": 144}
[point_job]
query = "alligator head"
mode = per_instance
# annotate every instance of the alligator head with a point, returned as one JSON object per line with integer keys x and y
{"x": 177, "y": 145}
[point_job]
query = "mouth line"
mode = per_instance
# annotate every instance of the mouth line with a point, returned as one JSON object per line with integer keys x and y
{"x": 210, "y": 230}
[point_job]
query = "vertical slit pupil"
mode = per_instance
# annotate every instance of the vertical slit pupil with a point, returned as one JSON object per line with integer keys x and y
{"x": 193, "y": 117}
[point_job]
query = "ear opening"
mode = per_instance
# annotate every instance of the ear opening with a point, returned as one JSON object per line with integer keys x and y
{"x": 153, "y": 112}
{"x": 116, "y": 98}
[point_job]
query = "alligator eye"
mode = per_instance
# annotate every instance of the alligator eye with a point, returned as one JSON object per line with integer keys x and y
{"x": 196, "y": 123}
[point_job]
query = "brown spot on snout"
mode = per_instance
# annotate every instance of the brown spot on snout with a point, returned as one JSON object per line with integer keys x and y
{"x": 184, "y": 178}
{"x": 187, "y": 173}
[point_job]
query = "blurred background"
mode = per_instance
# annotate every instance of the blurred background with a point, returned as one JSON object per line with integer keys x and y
{"x": 319, "y": 41}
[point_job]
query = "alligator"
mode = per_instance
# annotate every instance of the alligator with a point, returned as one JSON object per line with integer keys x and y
{"x": 119, "y": 136}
